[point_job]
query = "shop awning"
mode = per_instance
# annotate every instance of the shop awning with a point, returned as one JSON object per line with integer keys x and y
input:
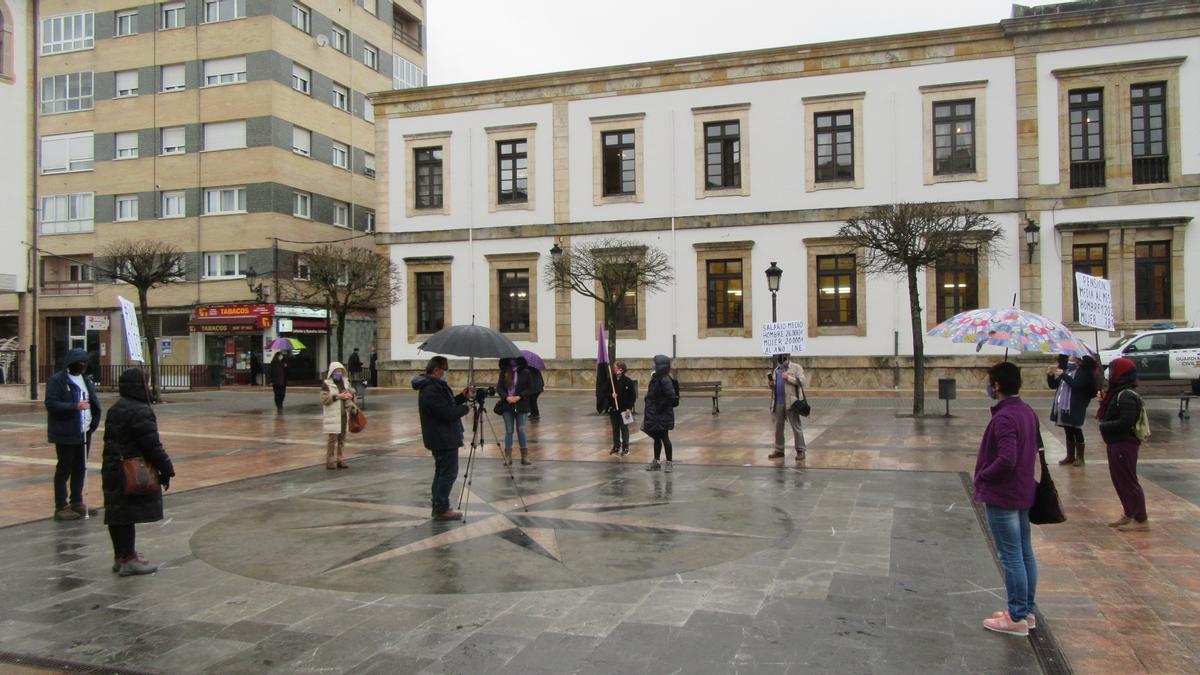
{"x": 303, "y": 326}
{"x": 224, "y": 324}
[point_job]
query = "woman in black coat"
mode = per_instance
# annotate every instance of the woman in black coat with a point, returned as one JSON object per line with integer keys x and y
{"x": 659, "y": 416}
{"x": 624, "y": 399}
{"x": 1075, "y": 383}
{"x": 514, "y": 388}
{"x": 131, "y": 430}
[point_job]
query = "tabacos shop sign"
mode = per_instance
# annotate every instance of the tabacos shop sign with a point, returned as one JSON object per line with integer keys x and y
{"x": 230, "y": 311}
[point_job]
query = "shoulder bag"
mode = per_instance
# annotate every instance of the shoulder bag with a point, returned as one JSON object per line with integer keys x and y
{"x": 140, "y": 478}
{"x": 1047, "y": 508}
{"x": 800, "y": 406}
{"x": 356, "y": 419}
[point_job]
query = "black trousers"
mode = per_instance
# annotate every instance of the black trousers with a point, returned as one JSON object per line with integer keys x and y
{"x": 533, "y": 406}
{"x": 70, "y": 471}
{"x": 620, "y": 431}
{"x": 280, "y": 392}
{"x": 123, "y": 537}
{"x": 662, "y": 441}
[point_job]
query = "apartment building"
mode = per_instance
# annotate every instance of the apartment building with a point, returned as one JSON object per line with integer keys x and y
{"x": 1064, "y": 121}
{"x": 16, "y": 194}
{"x": 238, "y": 130}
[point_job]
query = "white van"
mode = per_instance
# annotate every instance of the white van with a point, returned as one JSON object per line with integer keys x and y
{"x": 1167, "y": 354}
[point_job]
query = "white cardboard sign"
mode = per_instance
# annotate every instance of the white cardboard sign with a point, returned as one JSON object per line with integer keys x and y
{"x": 1093, "y": 297}
{"x": 133, "y": 335}
{"x": 783, "y": 337}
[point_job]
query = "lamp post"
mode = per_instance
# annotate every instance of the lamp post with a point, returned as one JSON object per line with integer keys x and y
{"x": 259, "y": 290}
{"x": 1032, "y": 233}
{"x": 773, "y": 276}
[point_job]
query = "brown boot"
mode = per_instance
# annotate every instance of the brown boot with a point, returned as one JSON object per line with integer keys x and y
{"x": 508, "y": 457}
{"x": 525, "y": 457}
{"x": 1070, "y": 458}
{"x": 331, "y": 452}
{"x": 341, "y": 447}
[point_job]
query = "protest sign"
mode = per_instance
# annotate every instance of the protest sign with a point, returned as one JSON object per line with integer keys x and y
{"x": 783, "y": 337}
{"x": 133, "y": 336}
{"x": 1093, "y": 298}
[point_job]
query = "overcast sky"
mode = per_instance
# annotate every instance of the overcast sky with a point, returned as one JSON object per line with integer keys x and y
{"x": 484, "y": 39}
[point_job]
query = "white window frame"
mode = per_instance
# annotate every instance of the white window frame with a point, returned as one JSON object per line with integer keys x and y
{"x": 229, "y": 70}
{"x": 179, "y": 149}
{"x": 369, "y": 7}
{"x": 227, "y": 135}
{"x": 339, "y": 97}
{"x": 224, "y": 201}
{"x": 239, "y": 10}
{"x": 76, "y": 210}
{"x": 130, "y": 18}
{"x": 301, "y": 17}
{"x": 341, "y": 150}
{"x": 68, "y": 33}
{"x": 172, "y": 15}
{"x": 370, "y": 221}
{"x": 341, "y": 214}
{"x": 127, "y": 92}
{"x": 57, "y": 90}
{"x": 125, "y": 150}
{"x": 370, "y": 56}
{"x": 369, "y": 164}
{"x": 216, "y": 265}
{"x": 304, "y": 148}
{"x": 174, "y": 204}
{"x": 172, "y": 68}
{"x": 301, "y": 79}
{"x": 302, "y": 205}
{"x": 339, "y": 39}
{"x": 303, "y": 272}
{"x": 80, "y": 152}
{"x": 128, "y": 203}
{"x": 406, "y": 74}
{"x": 80, "y": 273}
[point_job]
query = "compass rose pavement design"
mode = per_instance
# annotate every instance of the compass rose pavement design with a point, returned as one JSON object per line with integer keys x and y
{"x": 569, "y": 526}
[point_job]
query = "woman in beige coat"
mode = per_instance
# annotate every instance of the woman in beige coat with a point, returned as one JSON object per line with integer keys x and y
{"x": 337, "y": 400}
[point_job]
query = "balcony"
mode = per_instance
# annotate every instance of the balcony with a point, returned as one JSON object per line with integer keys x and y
{"x": 58, "y": 288}
{"x": 1150, "y": 170}
{"x": 406, "y": 28}
{"x": 410, "y": 40}
{"x": 1087, "y": 174}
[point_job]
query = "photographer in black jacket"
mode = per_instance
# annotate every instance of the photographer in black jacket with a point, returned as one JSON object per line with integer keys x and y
{"x": 442, "y": 430}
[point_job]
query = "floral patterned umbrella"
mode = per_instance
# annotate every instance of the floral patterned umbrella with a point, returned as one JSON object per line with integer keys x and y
{"x": 1011, "y": 328}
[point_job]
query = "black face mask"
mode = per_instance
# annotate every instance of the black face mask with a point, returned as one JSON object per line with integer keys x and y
{"x": 76, "y": 368}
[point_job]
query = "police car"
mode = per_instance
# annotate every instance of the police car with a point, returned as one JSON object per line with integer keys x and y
{"x": 1163, "y": 354}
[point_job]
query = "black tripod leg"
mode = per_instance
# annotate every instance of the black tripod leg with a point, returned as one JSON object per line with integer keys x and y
{"x": 476, "y": 429}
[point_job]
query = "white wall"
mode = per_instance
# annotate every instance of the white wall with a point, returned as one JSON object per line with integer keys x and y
{"x": 14, "y": 132}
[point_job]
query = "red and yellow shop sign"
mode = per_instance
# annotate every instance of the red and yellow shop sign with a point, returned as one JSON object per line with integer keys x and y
{"x": 223, "y": 311}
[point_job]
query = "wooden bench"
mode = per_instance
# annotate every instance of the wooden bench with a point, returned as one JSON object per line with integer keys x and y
{"x": 706, "y": 389}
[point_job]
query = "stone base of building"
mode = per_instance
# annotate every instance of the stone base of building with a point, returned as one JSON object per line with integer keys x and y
{"x": 865, "y": 373}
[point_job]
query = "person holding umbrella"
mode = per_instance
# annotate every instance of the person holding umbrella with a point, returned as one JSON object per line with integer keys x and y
{"x": 279, "y": 379}
{"x": 536, "y": 366}
{"x": 1074, "y": 382}
{"x": 514, "y": 388}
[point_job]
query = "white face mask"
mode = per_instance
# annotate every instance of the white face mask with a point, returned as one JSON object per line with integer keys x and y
{"x": 445, "y": 376}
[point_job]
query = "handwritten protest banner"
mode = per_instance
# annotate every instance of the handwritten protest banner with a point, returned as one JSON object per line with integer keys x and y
{"x": 783, "y": 337}
{"x": 1093, "y": 297}
{"x": 133, "y": 336}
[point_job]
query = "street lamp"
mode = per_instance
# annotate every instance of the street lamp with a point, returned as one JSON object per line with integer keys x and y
{"x": 556, "y": 253}
{"x": 1032, "y": 232}
{"x": 773, "y": 276}
{"x": 259, "y": 290}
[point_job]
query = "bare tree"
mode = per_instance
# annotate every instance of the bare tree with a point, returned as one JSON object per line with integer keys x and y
{"x": 894, "y": 239}
{"x": 342, "y": 277}
{"x": 144, "y": 264}
{"x": 606, "y": 270}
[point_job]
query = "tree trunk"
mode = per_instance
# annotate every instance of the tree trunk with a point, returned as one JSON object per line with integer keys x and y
{"x": 341, "y": 331}
{"x": 918, "y": 338}
{"x": 144, "y": 310}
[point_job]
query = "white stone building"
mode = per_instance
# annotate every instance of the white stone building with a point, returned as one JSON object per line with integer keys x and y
{"x": 16, "y": 187}
{"x": 732, "y": 162}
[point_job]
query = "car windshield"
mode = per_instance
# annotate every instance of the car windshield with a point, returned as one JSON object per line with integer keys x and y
{"x": 1121, "y": 342}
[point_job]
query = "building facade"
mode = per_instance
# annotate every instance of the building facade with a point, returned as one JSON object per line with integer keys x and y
{"x": 16, "y": 191}
{"x": 238, "y": 130}
{"x": 730, "y": 163}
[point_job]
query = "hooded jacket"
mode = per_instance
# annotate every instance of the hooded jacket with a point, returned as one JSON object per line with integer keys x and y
{"x": 441, "y": 413}
{"x": 131, "y": 430}
{"x": 659, "y": 415}
{"x": 523, "y": 388}
{"x": 1119, "y": 412}
{"x": 63, "y": 418}
{"x": 334, "y": 409}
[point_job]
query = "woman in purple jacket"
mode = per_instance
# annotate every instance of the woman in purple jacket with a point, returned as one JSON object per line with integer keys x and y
{"x": 1004, "y": 483}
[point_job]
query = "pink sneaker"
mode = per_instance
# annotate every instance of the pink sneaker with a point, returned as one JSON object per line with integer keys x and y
{"x": 1030, "y": 619}
{"x": 1007, "y": 626}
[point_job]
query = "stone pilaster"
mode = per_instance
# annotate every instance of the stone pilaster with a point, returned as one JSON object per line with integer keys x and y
{"x": 562, "y": 168}
{"x": 562, "y": 317}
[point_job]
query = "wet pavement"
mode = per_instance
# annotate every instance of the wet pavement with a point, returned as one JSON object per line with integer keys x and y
{"x": 868, "y": 557}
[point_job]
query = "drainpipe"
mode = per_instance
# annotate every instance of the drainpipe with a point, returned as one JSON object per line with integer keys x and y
{"x": 34, "y": 275}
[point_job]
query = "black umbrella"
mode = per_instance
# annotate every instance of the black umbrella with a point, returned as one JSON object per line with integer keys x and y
{"x": 471, "y": 341}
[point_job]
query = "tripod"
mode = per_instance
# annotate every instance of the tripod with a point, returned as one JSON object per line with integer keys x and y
{"x": 478, "y": 416}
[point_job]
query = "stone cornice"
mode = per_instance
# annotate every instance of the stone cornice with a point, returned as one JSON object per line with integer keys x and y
{"x": 1178, "y": 221}
{"x": 1102, "y": 15}
{"x": 1123, "y": 66}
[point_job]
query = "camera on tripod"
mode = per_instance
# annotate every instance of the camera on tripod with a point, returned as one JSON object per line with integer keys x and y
{"x": 481, "y": 394}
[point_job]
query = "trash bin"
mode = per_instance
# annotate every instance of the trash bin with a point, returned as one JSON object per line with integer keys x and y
{"x": 360, "y": 393}
{"x": 947, "y": 391}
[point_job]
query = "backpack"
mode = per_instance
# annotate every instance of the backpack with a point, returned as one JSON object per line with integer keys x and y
{"x": 1141, "y": 429}
{"x": 675, "y": 398}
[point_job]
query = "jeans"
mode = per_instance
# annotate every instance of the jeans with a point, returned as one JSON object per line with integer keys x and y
{"x": 1010, "y": 530}
{"x": 445, "y": 469}
{"x": 72, "y": 469}
{"x": 513, "y": 418}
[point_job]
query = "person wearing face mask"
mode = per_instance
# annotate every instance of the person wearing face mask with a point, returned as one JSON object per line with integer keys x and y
{"x": 515, "y": 388}
{"x": 785, "y": 380}
{"x": 624, "y": 399}
{"x": 1005, "y": 483}
{"x": 72, "y": 414}
{"x": 337, "y": 398}
{"x": 1074, "y": 382}
{"x": 441, "y": 413}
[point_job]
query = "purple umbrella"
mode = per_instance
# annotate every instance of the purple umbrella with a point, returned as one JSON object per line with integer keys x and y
{"x": 533, "y": 360}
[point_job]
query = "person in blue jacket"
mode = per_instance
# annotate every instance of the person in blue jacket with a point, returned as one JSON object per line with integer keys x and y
{"x": 72, "y": 414}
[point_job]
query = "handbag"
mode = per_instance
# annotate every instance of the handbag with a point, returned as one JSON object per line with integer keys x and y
{"x": 800, "y": 406}
{"x": 356, "y": 420}
{"x": 140, "y": 479}
{"x": 1047, "y": 508}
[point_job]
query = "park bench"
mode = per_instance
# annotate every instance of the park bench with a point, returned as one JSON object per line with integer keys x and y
{"x": 704, "y": 389}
